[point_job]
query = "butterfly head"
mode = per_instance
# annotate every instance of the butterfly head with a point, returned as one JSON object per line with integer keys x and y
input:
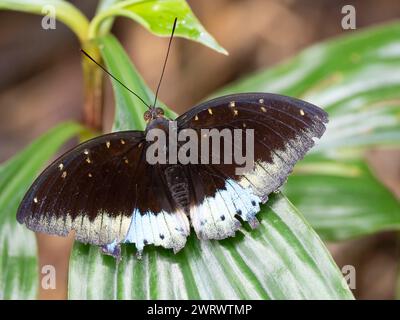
{"x": 155, "y": 119}
{"x": 153, "y": 113}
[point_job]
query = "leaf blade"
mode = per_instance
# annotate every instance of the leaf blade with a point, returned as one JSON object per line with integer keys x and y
{"x": 192, "y": 274}
{"x": 352, "y": 78}
{"x": 18, "y": 261}
{"x": 365, "y": 205}
{"x": 352, "y": 73}
{"x": 158, "y": 16}
{"x": 249, "y": 266}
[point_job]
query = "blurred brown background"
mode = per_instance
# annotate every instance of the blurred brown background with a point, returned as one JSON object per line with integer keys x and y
{"x": 41, "y": 85}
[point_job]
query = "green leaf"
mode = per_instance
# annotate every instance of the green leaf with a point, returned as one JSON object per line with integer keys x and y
{"x": 354, "y": 79}
{"x": 282, "y": 259}
{"x": 342, "y": 199}
{"x": 64, "y": 12}
{"x": 157, "y": 16}
{"x": 129, "y": 109}
{"x": 18, "y": 260}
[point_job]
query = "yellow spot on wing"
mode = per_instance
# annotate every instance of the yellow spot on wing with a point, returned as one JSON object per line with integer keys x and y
{"x": 196, "y": 117}
{"x": 64, "y": 174}
{"x": 122, "y": 141}
{"x": 232, "y": 104}
{"x": 263, "y": 109}
{"x": 108, "y": 144}
{"x": 302, "y": 112}
{"x": 88, "y": 160}
{"x": 210, "y": 111}
{"x": 235, "y": 112}
{"x": 90, "y": 175}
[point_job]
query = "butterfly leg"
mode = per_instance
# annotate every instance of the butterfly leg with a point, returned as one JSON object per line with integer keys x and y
{"x": 113, "y": 249}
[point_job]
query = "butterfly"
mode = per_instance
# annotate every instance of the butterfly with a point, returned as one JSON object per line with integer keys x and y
{"x": 107, "y": 192}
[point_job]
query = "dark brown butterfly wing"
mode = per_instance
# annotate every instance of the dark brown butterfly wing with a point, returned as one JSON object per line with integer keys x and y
{"x": 107, "y": 193}
{"x": 89, "y": 189}
{"x": 284, "y": 130}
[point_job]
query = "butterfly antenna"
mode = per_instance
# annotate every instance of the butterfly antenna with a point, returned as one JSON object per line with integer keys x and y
{"x": 115, "y": 78}
{"x": 165, "y": 61}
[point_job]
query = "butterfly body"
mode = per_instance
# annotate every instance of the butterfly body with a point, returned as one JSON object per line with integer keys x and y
{"x": 108, "y": 192}
{"x": 178, "y": 185}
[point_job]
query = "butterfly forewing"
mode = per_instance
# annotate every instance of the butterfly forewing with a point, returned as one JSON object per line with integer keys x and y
{"x": 91, "y": 189}
{"x": 284, "y": 129}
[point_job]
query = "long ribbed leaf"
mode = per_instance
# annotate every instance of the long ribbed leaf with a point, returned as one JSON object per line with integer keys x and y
{"x": 283, "y": 259}
{"x": 18, "y": 260}
{"x": 342, "y": 200}
{"x": 354, "y": 78}
{"x": 357, "y": 80}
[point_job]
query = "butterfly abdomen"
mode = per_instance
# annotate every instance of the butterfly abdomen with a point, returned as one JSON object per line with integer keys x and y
{"x": 178, "y": 186}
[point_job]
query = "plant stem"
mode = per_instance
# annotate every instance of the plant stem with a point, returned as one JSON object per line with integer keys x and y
{"x": 93, "y": 90}
{"x": 94, "y": 25}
